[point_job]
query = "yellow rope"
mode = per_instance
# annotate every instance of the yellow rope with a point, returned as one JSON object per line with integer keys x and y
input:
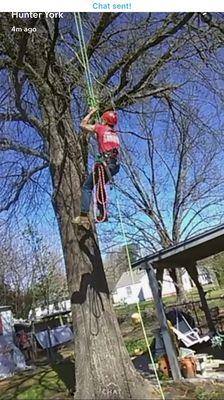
{"x": 137, "y": 302}
{"x": 85, "y": 63}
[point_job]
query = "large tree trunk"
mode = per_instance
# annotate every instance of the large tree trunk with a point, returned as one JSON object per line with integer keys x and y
{"x": 176, "y": 275}
{"x": 181, "y": 292}
{"x": 193, "y": 272}
{"x": 103, "y": 367}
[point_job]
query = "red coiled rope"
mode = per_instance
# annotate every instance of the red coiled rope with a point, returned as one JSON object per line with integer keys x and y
{"x": 100, "y": 191}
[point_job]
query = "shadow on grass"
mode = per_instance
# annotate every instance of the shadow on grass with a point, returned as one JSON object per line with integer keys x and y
{"x": 65, "y": 369}
{"x": 54, "y": 381}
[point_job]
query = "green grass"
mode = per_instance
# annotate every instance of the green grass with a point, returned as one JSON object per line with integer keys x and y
{"x": 138, "y": 344}
{"x": 40, "y": 386}
{"x": 55, "y": 382}
{"x": 46, "y": 383}
{"x": 203, "y": 394}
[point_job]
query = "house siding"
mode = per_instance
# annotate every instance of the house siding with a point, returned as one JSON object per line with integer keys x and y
{"x": 141, "y": 291}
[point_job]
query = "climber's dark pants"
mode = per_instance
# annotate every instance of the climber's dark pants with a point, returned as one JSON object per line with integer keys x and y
{"x": 113, "y": 166}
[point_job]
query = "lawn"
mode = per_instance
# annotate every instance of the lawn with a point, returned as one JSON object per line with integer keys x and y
{"x": 51, "y": 382}
{"x": 41, "y": 384}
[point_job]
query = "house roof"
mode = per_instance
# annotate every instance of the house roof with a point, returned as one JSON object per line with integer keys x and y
{"x": 127, "y": 279}
{"x": 187, "y": 252}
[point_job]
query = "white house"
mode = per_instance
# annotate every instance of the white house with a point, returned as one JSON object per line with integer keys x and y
{"x": 53, "y": 308}
{"x": 128, "y": 292}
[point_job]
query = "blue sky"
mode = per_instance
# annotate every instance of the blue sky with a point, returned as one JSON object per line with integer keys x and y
{"x": 193, "y": 94}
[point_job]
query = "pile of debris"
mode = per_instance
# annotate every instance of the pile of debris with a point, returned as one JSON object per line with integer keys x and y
{"x": 208, "y": 367}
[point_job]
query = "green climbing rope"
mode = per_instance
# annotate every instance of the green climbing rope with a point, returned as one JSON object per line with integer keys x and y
{"x": 92, "y": 100}
{"x": 93, "y": 103}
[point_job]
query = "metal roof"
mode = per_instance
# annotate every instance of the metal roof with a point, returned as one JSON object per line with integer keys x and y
{"x": 187, "y": 252}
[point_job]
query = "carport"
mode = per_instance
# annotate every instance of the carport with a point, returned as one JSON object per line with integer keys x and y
{"x": 185, "y": 254}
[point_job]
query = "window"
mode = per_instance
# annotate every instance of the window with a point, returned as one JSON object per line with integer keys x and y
{"x": 129, "y": 291}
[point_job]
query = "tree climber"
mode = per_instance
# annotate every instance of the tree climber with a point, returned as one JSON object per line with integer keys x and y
{"x": 108, "y": 145}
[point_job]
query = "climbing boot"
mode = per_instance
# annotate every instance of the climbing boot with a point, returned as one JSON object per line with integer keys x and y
{"x": 82, "y": 220}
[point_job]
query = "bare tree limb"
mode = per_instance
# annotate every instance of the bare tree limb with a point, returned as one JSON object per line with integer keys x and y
{"x": 158, "y": 38}
{"x": 105, "y": 20}
{"x": 8, "y": 144}
{"x": 20, "y": 185}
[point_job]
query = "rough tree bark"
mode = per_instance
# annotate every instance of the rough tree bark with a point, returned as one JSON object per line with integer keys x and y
{"x": 193, "y": 272}
{"x": 176, "y": 275}
{"x": 103, "y": 367}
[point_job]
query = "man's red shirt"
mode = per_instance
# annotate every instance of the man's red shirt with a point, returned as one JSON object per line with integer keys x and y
{"x": 107, "y": 138}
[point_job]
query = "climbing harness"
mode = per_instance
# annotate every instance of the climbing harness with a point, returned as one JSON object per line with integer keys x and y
{"x": 101, "y": 193}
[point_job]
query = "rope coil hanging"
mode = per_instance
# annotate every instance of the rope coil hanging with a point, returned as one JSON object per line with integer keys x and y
{"x": 100, "y": 193}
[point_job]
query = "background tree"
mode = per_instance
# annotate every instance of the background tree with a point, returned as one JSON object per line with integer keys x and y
{"x": 42, "y": 100}
{"x": 47, "y": 281}
{"x": 172, "y": 179}
{"x": 32, "y": 273}
{"x": 13, "y": 286}
{"x": 116, "y": 262}
{"x": 217, "y": 263}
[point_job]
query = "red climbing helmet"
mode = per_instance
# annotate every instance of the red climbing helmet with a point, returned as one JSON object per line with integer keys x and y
{"x": 110, "y": 117}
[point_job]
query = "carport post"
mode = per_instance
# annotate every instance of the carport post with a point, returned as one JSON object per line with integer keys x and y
{"x": 168, "y": 343}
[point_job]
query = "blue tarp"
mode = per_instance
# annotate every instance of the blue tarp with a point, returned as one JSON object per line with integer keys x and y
{"x": 54, "y": 337}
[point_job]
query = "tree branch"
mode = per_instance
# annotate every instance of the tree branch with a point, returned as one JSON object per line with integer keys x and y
{"x": 105, "y": 20}
{"x": 8, "y": 144}
{"x": 160, "y": 36}
{"x": 10, "y": 117}
{"x": 129, "y": 98}
{"x": 20, "y": 185}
